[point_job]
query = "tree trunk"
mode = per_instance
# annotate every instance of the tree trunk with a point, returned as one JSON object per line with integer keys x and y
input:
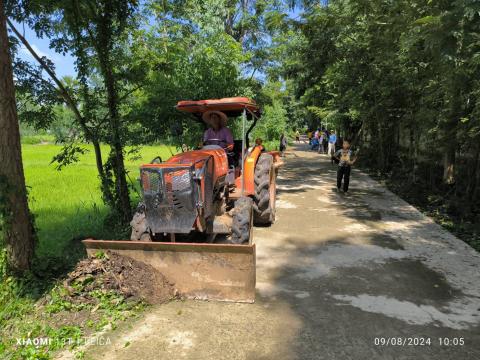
{"x": 116, "y": 142}
{"x": 474, "y": 178}
{"x": 411, "y": 153}
{"x": 476, "y": 188}
{"x": 449, "y": 165}
{"x": 379, "y": 147}
{"x": 17, "y": 227}
{"x": 450, "y": 129}
{"x": 416, "y": 156}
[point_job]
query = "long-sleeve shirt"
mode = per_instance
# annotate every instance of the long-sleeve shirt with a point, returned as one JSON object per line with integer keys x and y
{"x": 223, "y": 134}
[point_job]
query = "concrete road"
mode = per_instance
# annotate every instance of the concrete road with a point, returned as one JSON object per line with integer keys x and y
{"x": 359, "y": 277}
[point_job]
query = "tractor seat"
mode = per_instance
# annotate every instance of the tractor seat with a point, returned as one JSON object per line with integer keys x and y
{"x": 237, "y": 152}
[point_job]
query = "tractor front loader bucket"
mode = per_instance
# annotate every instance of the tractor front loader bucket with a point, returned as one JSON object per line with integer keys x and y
{"x": 223, "y": 272}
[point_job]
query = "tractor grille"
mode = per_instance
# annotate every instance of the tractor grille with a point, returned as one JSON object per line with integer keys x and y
{"x": 180, "y": 180}
{"x": 151, "y": 181}
{"x": 170, "y": 196}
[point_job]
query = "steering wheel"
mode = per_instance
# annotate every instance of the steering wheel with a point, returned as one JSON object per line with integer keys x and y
{"x": 218, "y": 142}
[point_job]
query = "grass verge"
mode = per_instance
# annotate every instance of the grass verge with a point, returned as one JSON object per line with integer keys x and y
{"x": 33, "y": 327}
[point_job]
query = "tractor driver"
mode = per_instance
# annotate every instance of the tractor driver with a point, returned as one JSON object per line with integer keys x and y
{"x": 217, "y": 132}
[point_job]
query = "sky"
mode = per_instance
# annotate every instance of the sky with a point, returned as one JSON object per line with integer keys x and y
{"x": 64, "y": 65}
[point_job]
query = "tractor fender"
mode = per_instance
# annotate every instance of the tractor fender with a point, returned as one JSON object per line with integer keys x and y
{"x": 249, "y": 170}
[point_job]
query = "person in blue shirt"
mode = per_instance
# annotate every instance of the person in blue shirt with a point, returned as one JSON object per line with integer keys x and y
{"x": 331, "y": 143}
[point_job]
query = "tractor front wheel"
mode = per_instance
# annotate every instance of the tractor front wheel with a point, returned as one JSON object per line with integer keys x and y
{"x": 242, "y": 223}
{"x": 265, "y": 191}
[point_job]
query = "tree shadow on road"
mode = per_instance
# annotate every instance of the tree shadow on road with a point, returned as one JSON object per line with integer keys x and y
{"x": 344, "y": 295}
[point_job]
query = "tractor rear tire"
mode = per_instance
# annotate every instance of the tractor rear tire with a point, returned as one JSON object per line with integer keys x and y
{"x": 140, "y": 230}
{"x": 265, "y": 191}
{"x": 242, "y": 223}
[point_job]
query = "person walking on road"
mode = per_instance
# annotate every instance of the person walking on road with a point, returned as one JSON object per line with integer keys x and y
{"x": 345, "y": 159}
{"x": 331, "y": 144}
{"x": 283, "y": 143}
{"x": 321, "y": 149}
{"x": 325, "y": 141}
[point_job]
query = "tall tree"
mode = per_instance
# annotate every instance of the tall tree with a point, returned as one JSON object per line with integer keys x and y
{"x": 97, "y": 34}
{"x": 15, "y": 220}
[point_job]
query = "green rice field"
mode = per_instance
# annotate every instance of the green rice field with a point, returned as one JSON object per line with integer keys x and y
{"x": 67, "y": 204}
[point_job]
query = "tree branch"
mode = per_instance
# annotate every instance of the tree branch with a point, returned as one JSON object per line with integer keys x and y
{"x": 71, "y": 103}
{"x": 63, "y": 91}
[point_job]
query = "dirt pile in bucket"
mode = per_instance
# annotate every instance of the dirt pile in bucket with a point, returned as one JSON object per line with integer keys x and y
{"x": 108, "y": 271}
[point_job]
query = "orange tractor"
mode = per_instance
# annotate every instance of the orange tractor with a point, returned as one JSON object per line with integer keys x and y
{"x": 194, "y": 196}
{"x": 211, "y": 190}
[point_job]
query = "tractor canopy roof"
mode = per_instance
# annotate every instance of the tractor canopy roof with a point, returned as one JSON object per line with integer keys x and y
{"x": 232, "y": 107}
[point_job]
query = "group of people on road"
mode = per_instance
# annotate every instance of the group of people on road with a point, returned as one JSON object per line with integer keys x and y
{"x": 338, "y": 149}
{"x": 323, "y": 141}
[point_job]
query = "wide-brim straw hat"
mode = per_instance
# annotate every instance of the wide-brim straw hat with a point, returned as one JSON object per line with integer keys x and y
{"x": 207, "y": 117}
